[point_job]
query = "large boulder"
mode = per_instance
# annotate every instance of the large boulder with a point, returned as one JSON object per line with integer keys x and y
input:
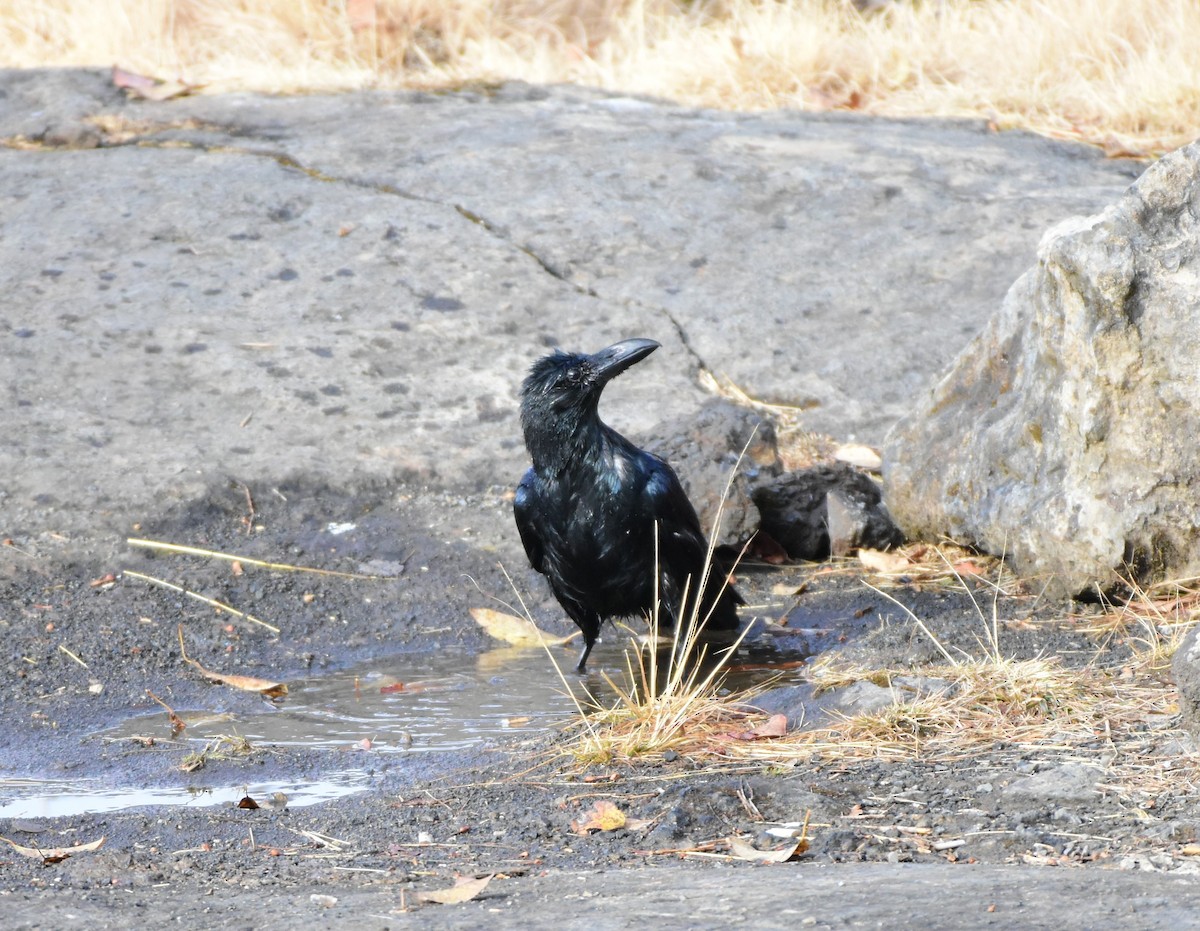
{"x": 1065, "y": 436}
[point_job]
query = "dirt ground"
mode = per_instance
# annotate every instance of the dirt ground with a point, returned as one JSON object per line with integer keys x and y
{"x": 506, "y": 809}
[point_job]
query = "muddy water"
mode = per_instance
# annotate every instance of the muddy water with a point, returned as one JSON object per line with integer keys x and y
{"x": 448, "y": 700}
{"x": 400, "y": 704}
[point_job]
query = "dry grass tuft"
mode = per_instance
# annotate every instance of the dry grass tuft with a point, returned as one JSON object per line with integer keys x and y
{"x": 1119, "y": 73}
{"x": 963, "y": 708}
{"x": 681, "y": 709}
{"x": 1152, "y": 622}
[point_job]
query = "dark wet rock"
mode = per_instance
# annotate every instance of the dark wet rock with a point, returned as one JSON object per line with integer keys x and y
{"x": 1064, "y": 436}
{"x": 703, "y": 448}
{"x": 823, "y": 510}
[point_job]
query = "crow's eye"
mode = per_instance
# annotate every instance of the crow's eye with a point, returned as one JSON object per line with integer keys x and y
{"x": 572, "y": 374}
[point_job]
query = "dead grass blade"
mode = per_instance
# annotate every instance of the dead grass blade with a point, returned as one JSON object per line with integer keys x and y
{"x": 244, "y": 560}
{"x": 211, "y": 602}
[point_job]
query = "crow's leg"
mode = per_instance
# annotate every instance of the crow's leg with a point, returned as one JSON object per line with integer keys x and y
{"x": 588, "y": 643}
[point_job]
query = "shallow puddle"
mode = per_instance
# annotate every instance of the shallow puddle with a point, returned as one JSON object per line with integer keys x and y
{"x": 31, "y": 798}
{"x": 450, "y": 700}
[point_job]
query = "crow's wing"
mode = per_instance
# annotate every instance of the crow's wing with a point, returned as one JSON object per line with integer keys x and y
{"x": 524, "y": 507}
{"x": 683, "y": 548}
{"x": 681, "y": 541}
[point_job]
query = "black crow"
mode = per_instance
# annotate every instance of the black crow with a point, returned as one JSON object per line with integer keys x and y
{"x": 588, "y": 508}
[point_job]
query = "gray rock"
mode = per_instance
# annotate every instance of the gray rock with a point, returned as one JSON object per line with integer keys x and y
{"x": 825, "y": 509}
{"x": 349, "y": 288}
{"x": 1064, "y": 436}
{"x": 862, "y": 697}
{"x": 1070, "y": 783}
{"x": 1185, "y": 669}
{"x": 703, "y": 447}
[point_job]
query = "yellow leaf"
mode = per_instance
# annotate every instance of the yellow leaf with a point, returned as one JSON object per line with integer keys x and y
{"x": 603, "y": 816}
{"x": 462, "y": 891}
{"x": 518, "y": 631}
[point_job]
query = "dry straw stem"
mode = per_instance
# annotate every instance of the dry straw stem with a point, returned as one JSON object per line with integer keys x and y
{"x": 1120, "y": 73}
{"x": 245, "y": 560}
{"x": 211, "y": 602}
{"x": 1152, "y": 622}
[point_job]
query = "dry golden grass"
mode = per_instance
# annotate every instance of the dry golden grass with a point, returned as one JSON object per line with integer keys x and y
{"x": 1120, "y": 73}
{"x": 972, "y": 705}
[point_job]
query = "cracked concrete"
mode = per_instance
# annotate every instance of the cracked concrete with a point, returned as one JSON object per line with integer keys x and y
{"x": 350, "y": 288}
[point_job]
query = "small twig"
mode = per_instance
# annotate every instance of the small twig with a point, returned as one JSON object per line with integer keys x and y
{"x": 73, "y": 656}
{"x": 177, "y": 723}
{"x": 746, "y": 796}
{"x": 212, "y": 602}
{"x": 248, "y": 520}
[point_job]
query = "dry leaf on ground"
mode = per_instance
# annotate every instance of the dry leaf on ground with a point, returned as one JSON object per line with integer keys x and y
{"x": 464, "y": 890}
{"x": 744, "y": 851}
{"x": 856, "y": 454}
{"x": 603, "y": 816}
{"x": 53, "y": 854}
{"x": 774, "y": 726}
{"x": 519, "y": 631}
{"x": 884, "y": 561}
{"x": 139, "y": 85}
{"x": 264, "y": 687}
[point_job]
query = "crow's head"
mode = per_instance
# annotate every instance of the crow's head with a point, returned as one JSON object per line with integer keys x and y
{"x": 562, "y": 391}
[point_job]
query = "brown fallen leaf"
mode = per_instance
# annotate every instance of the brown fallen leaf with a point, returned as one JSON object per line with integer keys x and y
{"x": 968, "y": 567}
{"x": 415, "y": 688}
{"x": 774, "y": 726}
{"x": 602, "y": 816}
{"x": 148, "y": 88}
{"x": 768, "y": 549}
{"x": 518, "y": 631}
{"x": 53, "y": 854}
{"x": 264, "y": 687}
{"x": 744, "y": 851}
{"x": 464, "y": 890}
{"x": 885, "y": 561}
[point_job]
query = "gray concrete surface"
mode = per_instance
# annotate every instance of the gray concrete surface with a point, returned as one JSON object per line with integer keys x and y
{"x": 351, "y": 287}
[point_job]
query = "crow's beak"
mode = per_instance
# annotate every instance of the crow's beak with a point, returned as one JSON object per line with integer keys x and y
{"x": 613, "y": 360}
